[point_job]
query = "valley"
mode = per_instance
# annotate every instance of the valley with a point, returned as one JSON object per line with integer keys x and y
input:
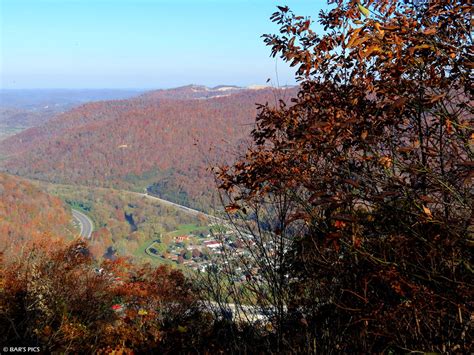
{"x": 135, "y": 173}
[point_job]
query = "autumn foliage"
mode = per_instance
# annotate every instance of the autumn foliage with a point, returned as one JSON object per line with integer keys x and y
{"x": 28, "y": 214}
{"x": 370, "y": 171}
{"x": 60, "y": 301}
{"x": 168, "y": 136}
{"x": 364, "y": 181}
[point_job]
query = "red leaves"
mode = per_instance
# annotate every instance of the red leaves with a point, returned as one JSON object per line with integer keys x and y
{"x": 232, "y": 208}
{"x": 117, "y": 308}
{"x": 340, "y": 224}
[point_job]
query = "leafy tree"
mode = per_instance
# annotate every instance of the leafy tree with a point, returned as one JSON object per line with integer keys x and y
{"x": 365, "y": 180}
{"x": 188, "y": 255}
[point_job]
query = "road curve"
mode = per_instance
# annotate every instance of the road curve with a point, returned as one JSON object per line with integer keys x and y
{"x": 85, "y": 222}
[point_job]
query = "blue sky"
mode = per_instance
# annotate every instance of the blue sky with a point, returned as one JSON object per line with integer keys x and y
{"x": 139, "y": 43}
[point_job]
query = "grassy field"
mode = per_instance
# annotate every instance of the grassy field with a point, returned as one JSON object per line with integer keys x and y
{"x": 188, "y": 229}
{"x": 7, "y": 131}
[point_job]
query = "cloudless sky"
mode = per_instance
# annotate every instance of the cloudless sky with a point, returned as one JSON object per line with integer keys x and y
{"x": 140, "y": 43}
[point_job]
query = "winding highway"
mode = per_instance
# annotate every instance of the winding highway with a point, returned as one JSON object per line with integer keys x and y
{"x": 84, "y": 222}
{"x": 180, "y": 207}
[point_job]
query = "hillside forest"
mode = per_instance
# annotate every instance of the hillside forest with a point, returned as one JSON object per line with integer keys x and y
{"x": 339, "y": 211}
{"x": 28, "y": 214}
{"x": 137, "y": 142}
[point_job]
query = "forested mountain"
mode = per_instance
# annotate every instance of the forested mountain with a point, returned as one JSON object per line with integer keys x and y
{"x": 158, "y": 137}
{"x": 28, "y": 214}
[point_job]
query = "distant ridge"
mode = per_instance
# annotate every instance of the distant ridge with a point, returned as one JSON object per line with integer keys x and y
{"x": 194, "y": 91}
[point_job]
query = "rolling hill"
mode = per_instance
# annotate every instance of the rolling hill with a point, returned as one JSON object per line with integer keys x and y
{"x": 168, "y": 138}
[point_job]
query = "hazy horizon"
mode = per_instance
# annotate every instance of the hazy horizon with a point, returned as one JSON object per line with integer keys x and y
{"x": 134, "y": 88}
{"x": 145, "y": 44}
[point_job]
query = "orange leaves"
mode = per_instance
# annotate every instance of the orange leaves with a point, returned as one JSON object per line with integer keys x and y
{"x": 355, "y": 40}
{"x": 32, "y": 215}
{"x": 353, "y": 36}
{"x": 449, "y": 126}
{"x": 378, "y": 163}
{"x": 386, "y": 162}
{"x": 430, "y": 31}
{"x": 379, "y": 29}
{"x": 436, "y": 98}
{"x": 427, "y": 211}
{"x": 422, "y": 46}
{"x": 373, "y": 49}
{"x": 405, "y": 149}
{"x": 74, "y": 305}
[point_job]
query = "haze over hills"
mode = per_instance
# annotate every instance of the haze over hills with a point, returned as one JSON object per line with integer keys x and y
{"x": 24, "y": 108}
{"x": 35, "y": 98}
{"x": 164, "y": 138}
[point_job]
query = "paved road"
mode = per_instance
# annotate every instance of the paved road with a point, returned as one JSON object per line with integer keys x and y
{"x": 180, "y": 207}
{"x": 85, "y": 222}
